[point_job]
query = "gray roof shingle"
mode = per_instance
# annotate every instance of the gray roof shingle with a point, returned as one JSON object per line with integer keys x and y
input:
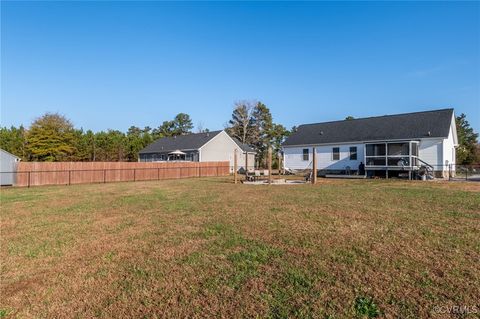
{"x": 244, "y": 147}
{"x": 180, "y": 142}
{"x": 389, "y": 127}
{"x": 187, "y": 142}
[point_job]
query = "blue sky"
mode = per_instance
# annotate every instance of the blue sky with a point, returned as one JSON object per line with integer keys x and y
{"x": 115, "y": 64}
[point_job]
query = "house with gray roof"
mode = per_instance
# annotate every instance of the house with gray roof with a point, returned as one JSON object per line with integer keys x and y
{"x": 411, "y": 144}
{"x": 199, "y": 147}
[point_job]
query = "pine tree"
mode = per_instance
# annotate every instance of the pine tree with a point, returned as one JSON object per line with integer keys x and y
{"x": 467, "y": 140}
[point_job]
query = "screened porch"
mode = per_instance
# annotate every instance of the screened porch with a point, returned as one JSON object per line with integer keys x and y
{"x": 392, "y": 155}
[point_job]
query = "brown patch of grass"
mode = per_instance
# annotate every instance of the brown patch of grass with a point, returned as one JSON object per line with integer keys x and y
{"x": 206, "y": 247}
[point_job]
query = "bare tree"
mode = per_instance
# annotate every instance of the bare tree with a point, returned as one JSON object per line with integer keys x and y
{"x": 201, "y": 128}
{"x": 241, "y": 125}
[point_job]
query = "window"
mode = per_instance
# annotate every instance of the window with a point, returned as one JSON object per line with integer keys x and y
{"x": 353, "y": 153}
{"x": 305, "y": 154}
{"x": 336, "y": 153}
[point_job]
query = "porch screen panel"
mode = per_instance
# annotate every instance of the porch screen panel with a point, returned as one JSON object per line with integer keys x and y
{"x": 415, "y": 149}
{"x": 398, "y": 149}
{"x": 398, "y": 154}
{"x": 375, "y": 154}
{"x": 376, "y": 149}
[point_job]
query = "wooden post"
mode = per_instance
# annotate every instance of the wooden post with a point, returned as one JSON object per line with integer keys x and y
{"x": 314, "y": 166}
{"x": 246, "y": 163}
{"x": 269, "y": 165}
{"x": 280, "y": 168}
{"x": 235, "y": 166}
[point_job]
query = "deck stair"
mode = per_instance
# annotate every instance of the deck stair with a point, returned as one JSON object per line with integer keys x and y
{"x": 424, "y": 169}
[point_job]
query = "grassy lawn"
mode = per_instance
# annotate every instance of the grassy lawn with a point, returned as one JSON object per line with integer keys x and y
{"x": 209, "y": 248}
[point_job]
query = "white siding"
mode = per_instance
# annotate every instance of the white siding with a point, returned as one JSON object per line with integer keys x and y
{"x": 8, "y": 165}
{"x": 431, "y": 151}
{"x": 293, "y": 157}
{"x": 449, "y": 148}
{"x": 251, "y": 161}
{"x": 221, "y": 148}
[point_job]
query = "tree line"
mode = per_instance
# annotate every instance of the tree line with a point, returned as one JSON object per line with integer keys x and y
{"x": 53, "y": 137}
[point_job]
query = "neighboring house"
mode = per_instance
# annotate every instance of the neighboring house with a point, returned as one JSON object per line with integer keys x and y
{"x": 390, "y": 145}
{"x": 199, "y": 147}
{"x": 8, "y": 168}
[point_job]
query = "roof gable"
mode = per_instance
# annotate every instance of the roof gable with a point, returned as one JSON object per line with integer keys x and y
{"x": 389, "y": 127}
{"x": 180, "y": 142}
{"x": 245, "y": 147}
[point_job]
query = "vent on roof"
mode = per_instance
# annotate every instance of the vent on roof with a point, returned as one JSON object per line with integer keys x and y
{"x": 321, "y": 132}
{"x": 208, "y": 134}
{"x": 429, "y": 133}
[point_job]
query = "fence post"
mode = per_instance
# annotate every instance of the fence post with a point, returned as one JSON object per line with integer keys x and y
{"x": 134, "y": 175}
{"x": 104, "y": 176}
{"x": 217, "y": 169}
{"x": 28, "y": 183}
{"x": 269, "y": 165}
{"x": 235, "y": 166}
{"x": 280, "y": 167}
{"x": 69, "y": 177}
{"x": 158, "y": 173}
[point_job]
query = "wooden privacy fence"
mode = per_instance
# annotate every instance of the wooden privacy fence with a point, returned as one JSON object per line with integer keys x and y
{"x": 67, "y": 173}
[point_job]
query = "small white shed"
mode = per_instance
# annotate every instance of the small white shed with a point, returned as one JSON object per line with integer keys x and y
{"x": 8, "y": 168}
